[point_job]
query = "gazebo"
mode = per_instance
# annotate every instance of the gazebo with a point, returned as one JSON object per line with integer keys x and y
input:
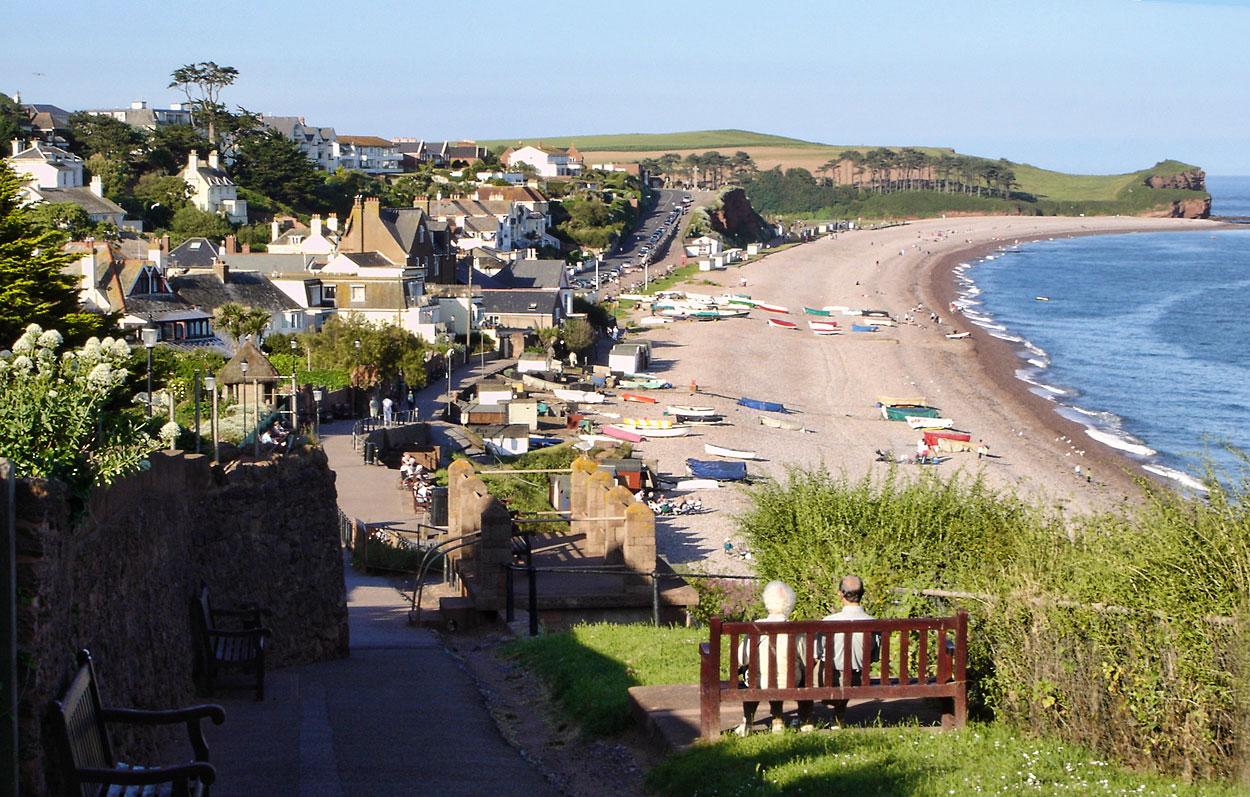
{"x": 258, "y": 371}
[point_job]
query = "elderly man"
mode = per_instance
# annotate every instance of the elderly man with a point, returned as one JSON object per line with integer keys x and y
{"x": 851, "y": 592}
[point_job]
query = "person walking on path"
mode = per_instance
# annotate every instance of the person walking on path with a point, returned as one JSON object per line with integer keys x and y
{"x": 388, "y": 410}
{"x": 374, "y": 407}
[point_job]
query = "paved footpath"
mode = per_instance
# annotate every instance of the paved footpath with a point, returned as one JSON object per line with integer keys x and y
{"x": 398, "y": 716}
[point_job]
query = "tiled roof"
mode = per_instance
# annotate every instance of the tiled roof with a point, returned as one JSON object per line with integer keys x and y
{"x": 205, "y": 290}
{"x": 366, "y": 141}
{"x": 83, "y": 197}
{"x": 520, "y": 301}
{"x": 194, "y": 253}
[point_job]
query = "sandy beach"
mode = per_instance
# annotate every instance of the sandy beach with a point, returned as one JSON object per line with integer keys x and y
{"x": 830, "y": 384}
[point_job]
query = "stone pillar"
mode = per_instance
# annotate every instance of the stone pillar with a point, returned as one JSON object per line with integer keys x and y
{"x": 581, "y": 468}
{"x": 596, "y": 491}
{"x": 494, "y": 552}
{"x": 458, "y": 473}
{"x": 639, "y": 531}
{"x": 617, "y": 498}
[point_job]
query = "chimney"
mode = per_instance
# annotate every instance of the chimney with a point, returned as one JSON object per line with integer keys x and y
{"x": 247, "y": 249}
{"x": 212, "y": 159}
{"x": 332, "y": 222}
{"x": 221, "y": 270}
{"x": 316, "y": 224}
{"x": 231, "y": 245}
{"x": 531, "y": 254}
{"x": 97, "y": 185}
{"x": 17, "y": 146}
{"x": 165, "y": 243}
{"x": 138, "y": 105}
{"x": 193, "y": 161}
{"x": 275, "y": 230}
{"x": 156, "y": 255}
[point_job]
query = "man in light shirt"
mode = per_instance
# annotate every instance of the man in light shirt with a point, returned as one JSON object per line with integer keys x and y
{"x": 851, "y": 591}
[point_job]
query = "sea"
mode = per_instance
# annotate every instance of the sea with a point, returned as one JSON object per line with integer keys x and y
{"x": 1143, "y": 338}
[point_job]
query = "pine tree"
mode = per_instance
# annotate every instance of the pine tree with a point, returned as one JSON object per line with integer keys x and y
{"x": 34, "y": 285}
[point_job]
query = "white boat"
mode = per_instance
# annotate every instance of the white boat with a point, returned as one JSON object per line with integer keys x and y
{"x": 686, "y": 485}
{"x": 958, "y": 335}
{"x": 691, "y": 412}
{"x": 654, "y": 321}
{"x": 646, "y": 423}
{"x": 677, "y": 430}
{"x": 637, "y": 297}
{"x": 598, "y": 438}
{"x": 928, "y": 423}
{"x": 730, "y": 453}
{"x": 781, "y": 423}
{"x": 580, "y": 396}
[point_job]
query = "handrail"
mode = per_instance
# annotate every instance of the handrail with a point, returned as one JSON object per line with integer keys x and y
{"x": 414, "y": 614}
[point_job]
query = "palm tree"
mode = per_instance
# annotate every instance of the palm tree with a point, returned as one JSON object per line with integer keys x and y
{"x": 240, "y": 322}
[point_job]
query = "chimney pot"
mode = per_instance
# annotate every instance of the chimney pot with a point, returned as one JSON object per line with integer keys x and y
{"x": 17, "y": 146}
{"x": 97, "y": 185}
{"x": 212, "y": 159}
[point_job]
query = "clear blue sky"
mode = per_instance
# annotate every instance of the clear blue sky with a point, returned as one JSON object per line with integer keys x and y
{"x": 1093, "y": 86}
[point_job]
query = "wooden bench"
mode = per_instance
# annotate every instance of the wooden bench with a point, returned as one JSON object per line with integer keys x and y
{"x": 939, "y": 646}
{"x": 229, "y": 638}
{"x": 92, "y": 768}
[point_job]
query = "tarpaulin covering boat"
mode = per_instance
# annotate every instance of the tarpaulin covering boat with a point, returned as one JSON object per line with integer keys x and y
{"x": 904, "y": 411}
{"x": 719, "y": 471}
{"x": 756, "y": 404}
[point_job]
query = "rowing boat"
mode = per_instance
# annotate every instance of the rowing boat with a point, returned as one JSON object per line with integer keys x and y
{"x": 899, "y": 413}
{"x": 901, "y": 401}
{"x": 823, "y": 326}
{"x": 647, "y": 384}
{"x": 772, "y": 308}
{"x": 781, "y": 423}
{"x": 826, "y": 332}
{"x": 646, "y": 423}
{"x": 958, "y": 335}
{"x": 638, "y": 398}
{"x": 687, "y": 410}
{"x": 863, "y": 328}
{"x": 813, "y": 311}
{"x": 917, "y": 422}
{"x": 777, "y": 322}
{"x": 731, "y": 453}
{"x": 680, "y": 430}
{"x": 931, "y": 435}
{"x": 622, "y": 434}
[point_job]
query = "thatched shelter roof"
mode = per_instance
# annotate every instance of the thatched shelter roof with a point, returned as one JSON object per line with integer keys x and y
{"x": 258, "y": 367}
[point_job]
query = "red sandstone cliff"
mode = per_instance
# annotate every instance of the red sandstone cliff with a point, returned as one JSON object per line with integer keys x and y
{"x": 733, "y": 216}
{"x": 1192, "y": 180}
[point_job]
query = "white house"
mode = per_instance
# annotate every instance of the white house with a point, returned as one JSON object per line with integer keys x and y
{"x": 317, "y": 143}
{"x": 547, "y": 161}
{"x": 46, "y": 166}
{"x": 368, "y": 154}
{"x": 212, "y": 188}
{"x": 703, "y": 246}
{"x": 320, "y": 238}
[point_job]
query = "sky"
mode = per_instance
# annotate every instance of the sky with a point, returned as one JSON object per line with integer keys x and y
{"x": 1085, "y": 86}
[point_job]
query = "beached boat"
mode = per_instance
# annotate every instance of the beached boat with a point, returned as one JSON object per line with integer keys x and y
{"x": 916, "y": 422}
{"x": 863, "y": 328}
{"x": 639, "y": 398}
{"x": 680, "y": 430}
{"x": 654, "y": 320}
{"x": 901, "y": 401}
{"x": 647, "y": 384}
{"x": 823, "y": 326}
{"x": 718, "y": 313}
{"x": 637, "y": 297}
{"x": 782, "y": 423}
{"x": 814, "y": 311}
{"x": 945, "y": 434}
{"x": 772, "y": 308}
{"x": 716, "y": 469}
{"x": 834, "y": 309}
{"x": 740, "y": 300}
{"x": 825, "y": 333}
{"x": 690, "y": 411}
{"x": 731, "y": 453}
{"x": 646, "y": 423}
{"x": 580, "y": 396}
{"x": 958, "y": 335}
{"x": 756, "y": 404}
{"x": 900, "y": 413}
{"x": 597, "y": 438}
{"x": 703, "y": 420}
{"x": 688, "y": 485}
{"x": 622, "y": 434}
{"x": 700, "y": 298}
{"x": 777, "y": 322}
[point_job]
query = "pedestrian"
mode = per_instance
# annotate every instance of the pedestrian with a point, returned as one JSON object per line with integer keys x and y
{"x": 1077, "y": 470}
{"x": 388, "y": 411}
{"x": 982, "y": 449}
{"x": 742, "y": 281}
{"x": 374, "y": 406}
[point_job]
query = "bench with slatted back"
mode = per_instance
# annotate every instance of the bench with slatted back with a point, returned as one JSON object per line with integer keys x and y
{"x": 229, "y": 638}
{"x": 919, "y": 658}
{"x": 92, "y": 768}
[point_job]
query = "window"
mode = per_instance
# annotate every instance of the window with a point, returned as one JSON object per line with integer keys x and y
{"x": 358, "y": 293}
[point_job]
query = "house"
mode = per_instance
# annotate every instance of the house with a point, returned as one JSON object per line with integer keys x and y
{"x": 508, "y": 440}
{"x": 54, "y": 175}
{"x": 368, "y": 154}
{"x": 48, "y": 122}
{"x": 629, "y": 168}
{"x": 416, "y": 152}
{"x": 140, "y": 115}
{"x": 522, "y": 308}
{"x": 295, "y": 275}
{"x": 212, "y": 189}
{"x": 208, "y": 289}
{"x": 547, "y": 161}
{"x": 401, "y": 235}
{"x": 317, "y": 143}
{"x": 319, "y": 238}
{"x": 381, "y": 291}
{"x": 703, "y": 246}
{"x": 502, "y": 225}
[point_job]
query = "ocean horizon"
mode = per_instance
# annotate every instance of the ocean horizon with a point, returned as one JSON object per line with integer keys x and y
{"x": 1138, "y": 337}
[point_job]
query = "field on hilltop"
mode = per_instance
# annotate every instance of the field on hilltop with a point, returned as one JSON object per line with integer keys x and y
{"x": 769, "y": 151}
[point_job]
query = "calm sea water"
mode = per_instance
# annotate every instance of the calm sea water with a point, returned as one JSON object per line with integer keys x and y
{"x": 1144, "y": 338}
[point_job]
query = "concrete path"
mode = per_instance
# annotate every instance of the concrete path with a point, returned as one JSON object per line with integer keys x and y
{"x": 399, "y": 716}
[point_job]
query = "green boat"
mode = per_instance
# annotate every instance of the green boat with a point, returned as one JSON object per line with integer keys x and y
{"x": 650, "y": 384}
{"x": 742, "y": 300}
{"x": 901, "y": 413}
{"x": 811, "y": 311}
{"x": 728, "y": 313}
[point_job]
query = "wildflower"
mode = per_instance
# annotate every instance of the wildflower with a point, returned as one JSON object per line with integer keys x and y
{"x": 100, "y": 376}
{"x": 50, "y": 339}
{"x": 170, "y": 431}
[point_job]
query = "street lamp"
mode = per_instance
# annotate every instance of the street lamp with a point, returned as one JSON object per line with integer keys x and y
{"x": 210, "y": 384}
{"x": 197, "y": 411}
{"x": 150, "y": 335}
{"x": 294, "y": 407}
{"x": 243, "y": 395}
{"x": 353, "y": 379}
{"x": 317, "y": 418}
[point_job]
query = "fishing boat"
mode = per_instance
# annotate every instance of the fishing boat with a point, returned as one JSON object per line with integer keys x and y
{"x": 636, "y": 397}
{"x": 901, "y": 401}
{"x": 718, "y": 313}
{"x": 673, "y": 431}
{"x": 863, "y": 328}
{"x": 823, "y": 326}
{"x": 917, "y": 422}
{"x": 689, "y": 411}
{"x": 1042, "y": 298}
{"x": 958, "y": 335}
{"x": 740, "y": 300}
{"x": 730, "y": 453}
{"x": 622, "y": 434}
{"x": 756, "y": 404}
{"x": 654, "y": 320}
{"x": 824, "y": 333}
{"x": 772, "y": 308}
{"x": 896, "y": 412}
{"x": 647, "y": 384}
{"x": 687, "y": 485}
{"x": 646, "y": 423}
{"x": 580, "y": 396}
{"x": 782, "y": 423}
{"x": 931, "y": 435}
{"x": 777, "y": 322}
{"x": 813, "y": 311}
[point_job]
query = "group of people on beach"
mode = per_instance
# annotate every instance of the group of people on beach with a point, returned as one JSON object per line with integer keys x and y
{"x": 779, "y": 601}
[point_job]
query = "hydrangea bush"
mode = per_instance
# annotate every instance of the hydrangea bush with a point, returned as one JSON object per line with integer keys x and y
{"x": 53, "y": 421}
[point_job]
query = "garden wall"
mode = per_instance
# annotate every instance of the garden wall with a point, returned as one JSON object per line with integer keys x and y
{"x": 119, "y": 581}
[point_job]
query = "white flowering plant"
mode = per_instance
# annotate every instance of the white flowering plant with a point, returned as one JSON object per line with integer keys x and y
{"x": 53, "y": 416}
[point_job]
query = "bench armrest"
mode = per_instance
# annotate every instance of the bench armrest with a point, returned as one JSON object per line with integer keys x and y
{"x": 260, "y": 631}
{"x": 244, "y": 610}
{"x": 202, "y": 771}
{"x": 136, "y": 716}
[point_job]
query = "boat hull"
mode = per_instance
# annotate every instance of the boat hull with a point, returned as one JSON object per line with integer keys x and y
{"x": 636, "y": 397}
{"x": 622, "y": 434}
{"x": 730, "y": 453}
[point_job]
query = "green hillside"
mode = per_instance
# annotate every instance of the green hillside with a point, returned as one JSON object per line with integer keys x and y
{"x": 1046, "y": 184}
{"x": 665, "y": 142}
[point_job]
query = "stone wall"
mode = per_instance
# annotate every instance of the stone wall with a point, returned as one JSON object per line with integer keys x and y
{"x": 119, "y": 581}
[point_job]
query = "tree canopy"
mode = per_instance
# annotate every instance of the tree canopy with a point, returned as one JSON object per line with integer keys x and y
{"x": 273, "y": 165}
{"x": 203, "y": 83}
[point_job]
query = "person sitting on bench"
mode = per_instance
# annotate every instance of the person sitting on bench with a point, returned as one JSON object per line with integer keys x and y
{"x": 851, "y": 592}
{"x": 779, "y": 601}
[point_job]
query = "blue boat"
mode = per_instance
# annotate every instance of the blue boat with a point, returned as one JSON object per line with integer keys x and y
{"x": 756, "y": 404}
{"x": 719, "y": 471}
{"x": 860, "y": 328}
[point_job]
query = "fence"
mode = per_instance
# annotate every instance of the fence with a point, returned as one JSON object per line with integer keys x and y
{"x": 355, "y": 535}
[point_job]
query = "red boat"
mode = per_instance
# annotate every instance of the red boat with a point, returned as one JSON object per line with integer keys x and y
{"x": 776, "y": 322}
{"x": 638, "y": 398}
{"x": 772, "y": 308}
{"x": 931, "y": 436}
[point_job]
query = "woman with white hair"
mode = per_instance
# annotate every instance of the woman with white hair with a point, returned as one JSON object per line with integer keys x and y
{"x": 779, "y": 601}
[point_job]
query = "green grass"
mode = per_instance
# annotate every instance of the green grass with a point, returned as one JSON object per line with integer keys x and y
{"x": 982, "y": 759}
{"x": 590, "y": 668}
{"x": 647, "y": 142}
{"x": 1045, "y": 184}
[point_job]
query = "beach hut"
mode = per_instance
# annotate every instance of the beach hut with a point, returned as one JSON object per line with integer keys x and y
{"x": 523, "y": 411}
{"x": 258, "y": 382}
{"x": 508, "y": 440}
{"x": 494, "y": 391}
{"x": 629, "y": 358}
{"x": 476, "y": 414}
{"x": 531, "y": 362}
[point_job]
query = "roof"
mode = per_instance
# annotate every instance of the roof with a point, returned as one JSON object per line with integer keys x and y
{"x": 83, "y": 197}
{"x": 194, "y": 253}
{"x": 482, "y": 224}
{"x": 533, "y": 274}
{"x": 511, "y": 193}
{"x": 205, "y": 290}
{"x": 369, "y": 259}
{"x": 39, "y": 151}
{"x": 366, "y": 141}
{"x": 274, "y": 265}
{"x": 514, "y": 431}
{"x": 258, "y": 367}
{"x": 520, "y": 301}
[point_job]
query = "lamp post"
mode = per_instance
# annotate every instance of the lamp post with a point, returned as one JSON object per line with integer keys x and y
{"x": 317, "y": 418}
{"x": 150, "y": 335}
{"x": 243, "y": 395}
{"x": 353, "y": 379}
{"x": 210, "y": 384}
{"x": 294, "y": 408}
{"x": 197, "y": 411}
{"x": 256, "y": 425}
